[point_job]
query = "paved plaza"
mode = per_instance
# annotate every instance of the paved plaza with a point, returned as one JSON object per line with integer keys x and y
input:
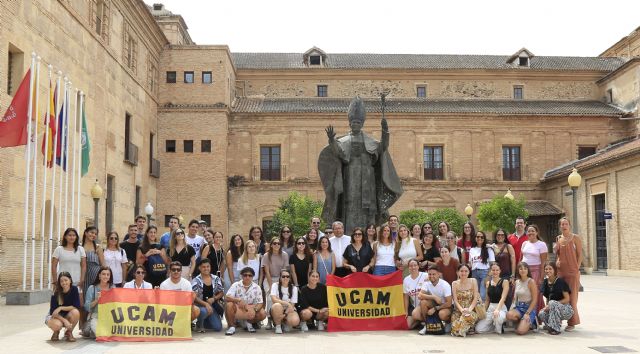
{"x": 608, "y": 309}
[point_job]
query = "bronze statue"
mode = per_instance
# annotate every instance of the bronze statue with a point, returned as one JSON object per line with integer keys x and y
{"x": 359, "y": 179}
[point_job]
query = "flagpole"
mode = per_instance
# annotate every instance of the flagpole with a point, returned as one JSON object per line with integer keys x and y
{"x": 53, "y": 176}
{"x": 80, "y": 156}
{"x": 34, "y": 194}
{"x": 66, "y": 158}
{"x": 27, "y": 174}
{"x": 44, "y": 177}
{"x": 73, "y": 165}
{"x": 63, "y": 139}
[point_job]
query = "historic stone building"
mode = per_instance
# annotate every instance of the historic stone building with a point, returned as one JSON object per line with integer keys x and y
{"x": 222, "y": 136}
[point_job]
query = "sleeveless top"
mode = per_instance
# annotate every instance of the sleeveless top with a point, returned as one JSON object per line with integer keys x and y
{"x": 567, "y": 254}
{"x": 494, "y": 292}
{"x": 324, "y": 267}
{"x": 407, "y": 249}
{"x": 522, "y": 292}
{"x": 503, "y": 258}
{"x": 384, "y": 255}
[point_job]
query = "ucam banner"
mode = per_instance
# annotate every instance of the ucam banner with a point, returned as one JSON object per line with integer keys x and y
{"x": 365, "y": 302}
{"x": 137, "y": 315}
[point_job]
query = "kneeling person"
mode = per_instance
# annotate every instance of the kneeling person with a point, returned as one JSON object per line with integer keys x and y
{"x": 244, "y": 302}
{"x": 284, "y": 296}
{"x": 209, "y": 290}
{"x": 177, "y": 282}
{"x": 435, "y": 297}
{"x": 313, "y": 302}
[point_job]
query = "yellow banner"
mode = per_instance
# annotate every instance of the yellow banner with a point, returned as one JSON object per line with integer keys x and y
{"x": 361, "y": 303}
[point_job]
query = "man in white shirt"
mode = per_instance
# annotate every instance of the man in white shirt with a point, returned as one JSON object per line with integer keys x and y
{"x": 435, "y": 297}
{"x": 193, "y": 239}
{"x": 339, "y": 242}
{"x": 244, "y": 302}
{"x": 174, "y": 223}
{"x": 177, "y": 282}
{"x": 315, "y": 224}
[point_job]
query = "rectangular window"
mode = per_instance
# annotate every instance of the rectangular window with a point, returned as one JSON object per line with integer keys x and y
{"x": 523, "y": 61}
{"x": 188, "y": 146}
{"x": 421, "y": 91}
{"x": 205, "y": 146}
{"x": 152, "y": 143}
{"x": 610, "y": 96}
{"x": 315, "y": 60}
{"x": 130, "y": 48}
{"x": 109, "y": 199}
{"x": 171, "y": 77}
{"x": 511, "y": 163}
{"x": 206, "y": 218}
{"x": 136, "y": 207}
{"x": 14, "y": 77}
{"x": 584, "y": 151}
{"x": 323, "y": 90}
{"x": 270, "y": 163}
{"x": 207, "y": 78}
{"x": 188, "y": 77}
{"x": 127, "y": 135}
{"x": 433, "y": 163}
{"x": 518, "y": 92}
{"x": 170, "y": 146}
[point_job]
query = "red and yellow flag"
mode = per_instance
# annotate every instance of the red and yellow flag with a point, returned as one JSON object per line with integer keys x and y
{"x": 134, "y": 315}
{"x": 365, "y": 302}
{"x": 51, "y": 126}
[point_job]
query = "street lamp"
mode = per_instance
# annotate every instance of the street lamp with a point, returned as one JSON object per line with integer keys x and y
{"x": 180, "y": 220}
{"x": 509, "y": 195}
{"x": 96, "y": 194}
{"x": 468, "y": 211}
{"x": 574, "y": 182}
{"x": 148, "y": 209}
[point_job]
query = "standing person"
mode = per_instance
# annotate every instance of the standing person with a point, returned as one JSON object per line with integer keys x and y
{"x": 568, "y": 249}
{"x": 558, "y": 294}
{"x": 328, "y": 232}
{"x": 525, "y": 298}
{"x": 517, "y": 238}
{"x": 312, "y": 239}
{"x": 416, "y": 231}
{"x": 300, "y": 263}
{"x": 208, "y": 289}
{"x": 153, "y": 257}
{"x": 435, "y": 298}
{"x": 405, "y": 249}
{"x": 314, "y": 305}
{"x": 315, "y": 224}
{"x": 371, "y": 233}
{"x": 534, "y": 253}
{"x": 287, "y": 240}
{"x": 506, "y": 258}
{"x": 70, "y": 257}
{"x": 256, "y": 235}
{"x": 181, "y": 251}
{"x": 443, "y": 230}
{"x": 430, "y": 253}
{"x": 383, "y": 252}
{"x": 393, "y": 223}
{"x": 194, "y": 240}
{"x": 448, "y": 266}
{"x": 250, "y": 258}
{"x": 480, "y": 257}
{"x": 466, "y": 239}
{"x": 236, "y": 248}
{"x": 324, "y": 260}
{"x": 102, "y": 282}
{"x": 456, "y": 252}
{"x": 138, "y": 281}
{"x": 141, "y": 223}
{"x": 427, "y": 228}
{"x": 177, "y": 282}
{"x": 284, "y": 297}
{"x": 244, "y": 302}
{"x": 339, "y": 243}
{"x": 174, "y": 223}
{"x": 94, "y": 260}
{"x": 130, "y": 247}
{"x": 116, "y": 259}
{"x": 214, "y": 252}
{"x": 497, "y": 289}
{"x": 202, "y": 227}
{"x": 465, "y": 295}
{"x": 411, "y": 285}
{"x": 272, "y": 264}
{"x": 358, "y": 255}
{"x": 64, "y": 307}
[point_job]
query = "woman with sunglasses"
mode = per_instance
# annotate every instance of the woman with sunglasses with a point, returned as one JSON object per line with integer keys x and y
{"x": 102, "y": 282}
{"x": 506, "y": 258}
{"x": 284, "y": 296}
{"x": 427, "y": 228}
{"x": 256, "y": 235}
{"x": 151, "y": 255}
{"x": 250, "y": 258}
{"x": 116, "y": 259}
{"x": 312, "y": 239}
{"x": 236, "y": 249}
{"x": 272, "y": 264}
{"x": 314, "y": 305}
{"x": 287, "y": 240}
{"x": 214, "y": 252}
{"x": 358, "y": 255}
{"x": 300, "y": 263}
{"x": 181, "y": 251}
{"x": 64, "y": 308}
{"x": 138, "y": 279}
{"x": 209, "y": 290}
{"x": 480, "y": 257}
{"x": 324, "y": 260}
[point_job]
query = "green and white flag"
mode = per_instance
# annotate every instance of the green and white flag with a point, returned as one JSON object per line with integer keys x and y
{"x": 86, "y": 146}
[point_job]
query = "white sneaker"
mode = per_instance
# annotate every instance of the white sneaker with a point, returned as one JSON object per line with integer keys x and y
{"x": 286, "y": 328}
{"x": 231, "y": 331}
{"x": 269, "y": 326}
{"x": 320, "y": 326}
{"x": 423, "y": 331}
{"x": 304, "y": 327}
{"x": 278, "y": 329}
{"x": 250, "y": 328}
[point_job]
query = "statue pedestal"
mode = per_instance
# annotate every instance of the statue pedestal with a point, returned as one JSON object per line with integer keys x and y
{"x": 28, "y": 297}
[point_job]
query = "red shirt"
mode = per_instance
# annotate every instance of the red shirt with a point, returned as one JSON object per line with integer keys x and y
{"x": 466, "y": 247}
{"x": 517, "y": 245}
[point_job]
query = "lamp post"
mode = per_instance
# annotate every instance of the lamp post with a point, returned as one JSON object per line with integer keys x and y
{"x": 468, "y": 211}
{"x": 508, "y": 195}
{"x": 96, "y": 194}
{"x": 148, "y": 209}
{"x": 574, "y": 180}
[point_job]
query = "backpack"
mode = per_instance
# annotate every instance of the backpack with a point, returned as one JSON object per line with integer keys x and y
{"x": 156, "y": 267}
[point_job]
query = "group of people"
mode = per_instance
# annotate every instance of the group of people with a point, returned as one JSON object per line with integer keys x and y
{"x": 464, "y": 284}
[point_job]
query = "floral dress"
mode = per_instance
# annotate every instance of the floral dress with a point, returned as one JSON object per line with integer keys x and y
{"x": 460, "y": 325}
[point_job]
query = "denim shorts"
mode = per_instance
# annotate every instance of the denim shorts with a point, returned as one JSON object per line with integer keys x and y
{"x": 522, "y": 308}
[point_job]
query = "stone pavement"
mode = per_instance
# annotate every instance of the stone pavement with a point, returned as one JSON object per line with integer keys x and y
{"x": 608, "y": 310}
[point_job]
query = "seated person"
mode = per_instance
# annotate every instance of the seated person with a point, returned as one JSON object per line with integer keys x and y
{"x": 64, "y": 311}
{"x": 435, "y": 297}
{"x": 313, "y": 302}
{"x": 244, "y": 302}
{"x": 103, "y": 282}
{"x": 138, "y": 279}
{"x": 177, "y": 282}
{"x": 209, "y": 290}
{"x": 284, "y": 296}
{"x": 411, "y": 286}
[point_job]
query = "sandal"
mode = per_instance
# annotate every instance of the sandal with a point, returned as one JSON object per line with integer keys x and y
{"x": 569, "y": 328}
{"x": 553, "y": 332}
{"x": 55, "y": 336}
{"x": 69, "y": 336}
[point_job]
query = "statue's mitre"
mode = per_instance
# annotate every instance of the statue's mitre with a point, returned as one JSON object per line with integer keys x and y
{"x": 357, "y": 111}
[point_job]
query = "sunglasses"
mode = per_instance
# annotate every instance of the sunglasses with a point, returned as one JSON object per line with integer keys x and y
{"x": 275, "y": 243}
{"x": 482, "y": 237}
{"x": 316, "y": 223}
{"x": 176, "y": 270}
{"x": 358, "y": 234}
{"x": 247, "y": 275}
{"x": 179, "y": 233}
{"x": 141, "y": 273}
{"x": 113, "y": 238}
{"x": 300, "y": 243}
{"x": 286, "y": 231}
{"x": 285, "y": 277}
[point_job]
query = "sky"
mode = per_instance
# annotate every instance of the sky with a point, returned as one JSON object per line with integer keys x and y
{"x": 500, "y": 27}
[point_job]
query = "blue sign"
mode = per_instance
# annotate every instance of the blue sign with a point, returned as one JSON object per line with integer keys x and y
{"x": 607, "y": 216}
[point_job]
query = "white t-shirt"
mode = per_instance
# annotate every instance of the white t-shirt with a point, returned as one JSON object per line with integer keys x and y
{"x": 285, "y": 293}
{"x": 384, "y": 255}
{"x": 132, "y": 285}
{"x": 183, "y": 285}
{"x": 412, "y": 287}
{"x": 253, "y": 263}
{"x": 338, "y": 245}
{"x": 197, "y": 243}
{"x": 442, "y": 289}
{"x": 114, "y": 260}
{"x": 531, "y": 252}
{"x": 476, "y": 260}
{"x": 69, "y": 261}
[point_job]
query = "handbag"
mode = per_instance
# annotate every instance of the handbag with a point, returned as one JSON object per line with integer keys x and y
{"x": 480, "y": 310}
{"x": 434, "y": 325}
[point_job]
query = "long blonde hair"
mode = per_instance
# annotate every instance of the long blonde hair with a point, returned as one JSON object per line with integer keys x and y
{"x": 245, "y": 254}
{"x": 172, "y": 243}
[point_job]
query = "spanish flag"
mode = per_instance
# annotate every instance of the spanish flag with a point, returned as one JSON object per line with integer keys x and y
{"x": 51, "y": 123}
{"x": 365, "y": 302}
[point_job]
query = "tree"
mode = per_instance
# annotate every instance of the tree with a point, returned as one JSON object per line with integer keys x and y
{"x": 453, "y": 217}
{"x": 501, "y": 212}
{"x": 413, "y": 216}
{"x": 296, "y": 210}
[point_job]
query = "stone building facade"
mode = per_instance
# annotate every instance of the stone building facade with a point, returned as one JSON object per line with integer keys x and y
{"x": 234, "y": 132}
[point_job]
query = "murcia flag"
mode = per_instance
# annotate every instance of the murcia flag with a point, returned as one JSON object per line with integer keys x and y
{"x": 14, "y": 123}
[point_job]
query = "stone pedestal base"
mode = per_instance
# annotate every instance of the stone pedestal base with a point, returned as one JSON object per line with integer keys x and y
{"x": 28, "y": 297}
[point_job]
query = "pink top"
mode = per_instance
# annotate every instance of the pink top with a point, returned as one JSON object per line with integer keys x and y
{"x": 531, "y": 252}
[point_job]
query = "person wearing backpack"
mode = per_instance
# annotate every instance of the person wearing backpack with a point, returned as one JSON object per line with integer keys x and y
{"x": 153, "y": 257}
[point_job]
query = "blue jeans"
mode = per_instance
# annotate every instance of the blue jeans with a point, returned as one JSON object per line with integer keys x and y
{"x": 480, "y": 275}
{"x": 212, "y": 321}
{"x": 383, "y": 270}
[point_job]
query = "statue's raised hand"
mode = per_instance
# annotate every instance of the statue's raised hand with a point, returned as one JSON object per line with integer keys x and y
{"x": 330, "y": 133}
{"x": 385, "y": 125}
